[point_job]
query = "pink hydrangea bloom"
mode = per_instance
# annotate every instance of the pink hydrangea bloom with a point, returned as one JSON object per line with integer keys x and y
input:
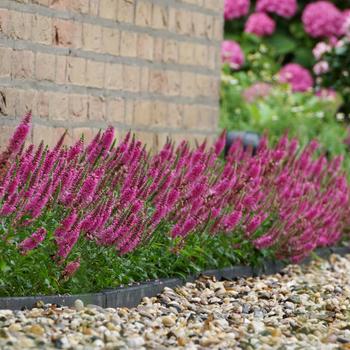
{"x": 256, "y": 91}
{"x": 260, "y": 24}
{"x": 297, "y": 76}
{"x": 236, "y": 8}
{"x": 232, "y": 53}
{"x": 322, "y": 19}
{"x": 283, "y": 8}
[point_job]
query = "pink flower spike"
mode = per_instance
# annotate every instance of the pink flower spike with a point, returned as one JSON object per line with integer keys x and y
{"x": 20, "y": 134}
{"x": 71, "y": 268}
{"x": 33, "y": 241}
{"x": 220, "y": 143}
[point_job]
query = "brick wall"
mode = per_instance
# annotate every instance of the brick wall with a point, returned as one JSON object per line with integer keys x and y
{"x": 151, "y": 66}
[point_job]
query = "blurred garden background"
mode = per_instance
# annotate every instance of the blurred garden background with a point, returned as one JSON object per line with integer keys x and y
{"x": 286, "y": 69}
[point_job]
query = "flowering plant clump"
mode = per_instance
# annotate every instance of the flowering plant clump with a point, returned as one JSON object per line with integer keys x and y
{"x": 232, "y": 54}
{"x": 236, "y": 8}
{"x": 283, "y": 8}
{"x": 101, "y": 205}
{"x": 297, "y": 76}
{"x": 260, "y": 24}
{"x": 322, "y": 19}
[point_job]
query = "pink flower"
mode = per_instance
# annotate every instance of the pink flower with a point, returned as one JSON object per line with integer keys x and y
{"x": 326, "y": 94}
{"x": 232, "y": 54}
{"x": 256, "y": 91}
{"x": 322, "y": 19}
{"x": 33, "y": 241}
{"x": 297, "y": 76}
{"x": 20, "y": 134}
{"x": 321, "y": 67}
{"x": 71, "y": 268}
{"x": 320, "y": 49}
{"x": 283, "y": 8}
{"x": 260, "y": 24}
{"x": 236, "y": 8}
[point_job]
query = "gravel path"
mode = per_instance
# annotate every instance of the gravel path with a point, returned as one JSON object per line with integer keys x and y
{"x": 302, "y": 308}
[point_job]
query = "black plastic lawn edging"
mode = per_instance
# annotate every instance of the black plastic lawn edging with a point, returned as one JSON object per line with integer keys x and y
{"x": 131, "y": 296}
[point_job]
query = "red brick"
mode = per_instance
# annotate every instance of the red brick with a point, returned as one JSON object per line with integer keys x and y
{"x": 22, "y": 64}
{"x": 108, "y": 9}
{"x": 125, "y": 11}
{"x": 131, "y": 78}
{"x": 60, "y": 4}
{"x": 201, "y": 55}
{"x": 174, "y": 83}
{"x": 45, "y": 66}
{"x": 96, "y": 108}
{"x": 144, "y": 79}
{"x": 95, "y": 73}
{"x": 145, "y": 46}
{"x": 58, "y": 106}
{"x": 20, "y": 25}
{"x": 92, "y": 37}
{"x": 81, "y": 6}
{"x": 11, "y": 98}
{"x": 4, "y": 21}
{"x": 218, "y": 29}
{"x": 143, "y": 114}
{"x": 114, "y": 76}
{"x": 27, "y": 101}
{"x": 209, "y": 27}
{"x": 110, "y": 41}
{"x": 143, "y": 13}
{"x": 158, "y": 81}
{"x": 175, "y": 115}
{"x": 5, "y": 61}
{"x": 67, "y": 33}
{"x": 61, "y": 70}
{"x": 190, "y": 117}
{"x": 115, "y": 109}
{"x": 171, "y": 52}
{"x": 159, "y": 111}
{"x": 49, "y": 134}
{"x": 42, "y": 29}
{"x": 186, "y": 53}
{"x": 94, "y": 7}
{"x": 158, "y": 49}
{"x": 76, "y": 70}
{"x": 188, "y": 84}
{"x": 129, "y": 112}
{"x": 128, "y": 44}
{"x": 160, "y": 17}
{"x": 198, "y": 24}
{"x": 183, "y": 22}
{"x": 42, "y": 2}
{"x": 43, "y": 100}
{"x": 77, "y": 106}
{"x": 5, "y": 132}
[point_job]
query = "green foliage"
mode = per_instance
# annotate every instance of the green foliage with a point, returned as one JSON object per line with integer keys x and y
{"x": 301, "y": 114}
{"x": 38, "y": 274}
{"x": 338, "y": 75}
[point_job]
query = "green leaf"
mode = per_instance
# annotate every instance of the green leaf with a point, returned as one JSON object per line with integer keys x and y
{"x": 281, "y": 43}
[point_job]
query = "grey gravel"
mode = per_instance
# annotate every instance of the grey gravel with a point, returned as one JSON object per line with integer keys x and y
{"x": 304, "y": 307}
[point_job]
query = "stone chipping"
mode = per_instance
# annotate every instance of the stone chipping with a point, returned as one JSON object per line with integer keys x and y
{"x": 303, "y": 307}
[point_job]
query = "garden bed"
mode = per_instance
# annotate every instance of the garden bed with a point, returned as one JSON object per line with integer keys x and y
{"x": 131, "y": 296}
